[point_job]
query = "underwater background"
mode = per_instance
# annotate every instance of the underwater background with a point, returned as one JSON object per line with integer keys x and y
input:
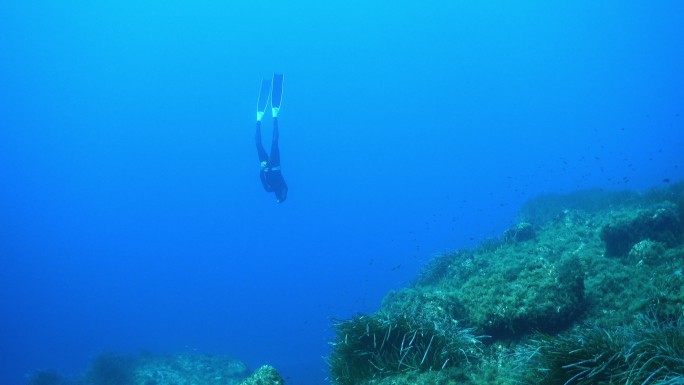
{"x": 131, "y": 213}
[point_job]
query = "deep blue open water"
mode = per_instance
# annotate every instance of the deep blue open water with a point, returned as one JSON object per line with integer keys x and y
{"x": 131, "y": 212}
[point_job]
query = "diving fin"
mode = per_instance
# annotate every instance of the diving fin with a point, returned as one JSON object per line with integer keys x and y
{"x": 276, "y": 94}
{"x": 264, "y": 94}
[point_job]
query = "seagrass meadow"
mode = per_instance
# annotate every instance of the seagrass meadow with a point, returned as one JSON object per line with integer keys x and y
{"x": 587, "y": 288}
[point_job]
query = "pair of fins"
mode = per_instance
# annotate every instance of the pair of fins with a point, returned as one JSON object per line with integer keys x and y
{"x": 270, "y": 90}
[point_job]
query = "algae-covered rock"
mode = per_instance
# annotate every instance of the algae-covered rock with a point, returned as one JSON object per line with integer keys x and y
{"x": 502, "y": 288}
{"x": 646, "y": 251}
{"x": 265, "y": 375}
{"x": 542, "y": 295}
{"x": 631, "y": 226}
{"x": 519, "y": 232}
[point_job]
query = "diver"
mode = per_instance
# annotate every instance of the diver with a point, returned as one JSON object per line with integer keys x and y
{"x": 270, "y": 174}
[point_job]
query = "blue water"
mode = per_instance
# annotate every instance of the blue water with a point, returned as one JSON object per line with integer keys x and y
{"x": 131, "y": 213}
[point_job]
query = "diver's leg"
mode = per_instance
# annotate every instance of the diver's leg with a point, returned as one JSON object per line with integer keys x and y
{"x": 275, "y": 151}
{"x": 263, "y": 157}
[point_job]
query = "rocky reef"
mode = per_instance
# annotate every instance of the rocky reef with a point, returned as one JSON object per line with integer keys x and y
{"x": 151, "y": 369}
{"x": 265, "y": 375}
{"x": 587, "y": 288}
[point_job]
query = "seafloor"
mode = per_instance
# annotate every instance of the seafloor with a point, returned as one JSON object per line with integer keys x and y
{"x": 587, "y": 288}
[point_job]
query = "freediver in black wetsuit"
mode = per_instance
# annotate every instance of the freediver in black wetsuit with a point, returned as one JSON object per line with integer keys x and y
{"x": 270, "y": 174}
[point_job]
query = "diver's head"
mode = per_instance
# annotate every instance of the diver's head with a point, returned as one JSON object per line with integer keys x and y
{"x": 281, "y": 195}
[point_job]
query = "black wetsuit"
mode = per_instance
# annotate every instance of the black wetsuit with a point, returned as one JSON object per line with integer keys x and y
{"x": 270, "y": 174}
